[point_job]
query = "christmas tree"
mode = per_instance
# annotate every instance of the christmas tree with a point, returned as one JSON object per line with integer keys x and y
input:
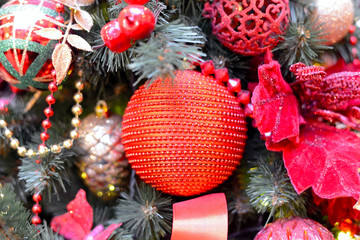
{"x": 179, "y": 119}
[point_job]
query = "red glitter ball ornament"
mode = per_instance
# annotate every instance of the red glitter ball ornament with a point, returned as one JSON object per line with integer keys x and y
{"x": 248, "y": 27}
{"x": 294, "y": 229}
{"x": 186, "y": 136}
{"x": 26, "y": 58}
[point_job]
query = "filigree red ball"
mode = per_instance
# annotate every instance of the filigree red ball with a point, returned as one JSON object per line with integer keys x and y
{"x": 186, "y": 136}
{"x": 248, "y": 27}
{"x": 294, "y": 229}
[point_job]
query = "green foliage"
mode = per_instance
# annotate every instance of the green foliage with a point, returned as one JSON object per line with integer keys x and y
{"x": 270, "y": 189}
{"x": 166, "y": 50}
{"x": 147, "y": 215}
{"x": 14, "y": 217}
{"x": 46, "y": 233}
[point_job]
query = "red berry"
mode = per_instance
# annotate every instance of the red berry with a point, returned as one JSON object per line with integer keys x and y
{"x": 137, "y": 21}
{"x": 60, "y": 19}
{"x": 48, "y": 112}
{"x": 59, "y": 7}
{"x": 141, "y": 2}
{"x": 37, "y": 197}
{"x": 46, "y": 124}
{"x": 44, "y": 136}
{"x": 36, "y": 208}
{"x": 36, "y": 220}
{"x": 114, "y": 38}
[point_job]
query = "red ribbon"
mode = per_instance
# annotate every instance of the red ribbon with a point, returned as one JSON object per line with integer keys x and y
{"x": 203, "y": 218}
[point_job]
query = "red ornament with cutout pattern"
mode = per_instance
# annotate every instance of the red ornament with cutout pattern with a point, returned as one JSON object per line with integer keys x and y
{"x": 294, "y": 229}
{"x": 141, "y": 2}
{"x": 137, "y": 22}
{"x": 248, "y": 27}
{"x": 186, "y": 136}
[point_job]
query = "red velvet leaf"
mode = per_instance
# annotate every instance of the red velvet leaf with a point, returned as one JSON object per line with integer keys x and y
{"x": 107, "y": 232}
{"x": 338, "y": 209}
{"x": 276, "y": 109}
{"x": 326, "y": 159}
{"x": 76, "y": 223}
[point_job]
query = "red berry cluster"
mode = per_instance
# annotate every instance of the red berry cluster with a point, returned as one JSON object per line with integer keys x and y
{"x": 135, "y": 22}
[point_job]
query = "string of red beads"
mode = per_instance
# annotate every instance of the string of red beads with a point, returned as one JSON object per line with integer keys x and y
{"x": 353, "y": 41}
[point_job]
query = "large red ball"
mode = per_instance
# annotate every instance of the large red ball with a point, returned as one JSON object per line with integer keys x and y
{"x": 27, "y": 61}
{"x": 294, "y": 229}
{"x": 248, "y": 27}
{"x": 137, "y": 21}
{"x": 186, "y": 136}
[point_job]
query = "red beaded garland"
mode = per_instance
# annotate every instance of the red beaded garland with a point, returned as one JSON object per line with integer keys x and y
{"x": 44, "y": 136}
{"x": 46, "y": 124}
{"x": 53, "y": 87}
{"x": 36, "y": 208}
{"x": 37, "y": 197}
{"x": 184, "y": 137}
{"x": 36, "y": 220}
{"x": 50, "y": 99}
{"x": 48, "y": 112}
{"x": 59, "y": 7}
{"x": 60, "y": 19}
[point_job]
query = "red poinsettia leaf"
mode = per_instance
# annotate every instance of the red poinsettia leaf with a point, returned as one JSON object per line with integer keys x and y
{"x": 326, "y": 159}
{"x": 107, "y": 232}
{"x": 276, "y": 109}
{"x": 76, "y": 223}
{"x": 338, "y": 209}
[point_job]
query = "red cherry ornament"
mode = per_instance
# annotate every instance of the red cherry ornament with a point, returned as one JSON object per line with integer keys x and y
{"x": 137, "y": 21}
{"x": 141, "y": 2}
{"x": 114, "y": 37}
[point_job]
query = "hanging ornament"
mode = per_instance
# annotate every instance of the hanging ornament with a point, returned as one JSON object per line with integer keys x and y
{"x": 294, "y": 229}
{"x": 114, "y": 37}
{"x": 185, "y": 136}
{"x": 333, "y": 17}
{"x": 248, "y": 27}
{"x": 103, "y": 165}
{"x": 26, "y": 56}
{"x": 141, "y": 2}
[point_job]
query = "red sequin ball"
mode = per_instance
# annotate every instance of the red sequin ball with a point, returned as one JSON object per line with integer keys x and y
{"x": 184, "y": 137}
{"x": 248, "y": 27}
{"x": 294, "y": 229}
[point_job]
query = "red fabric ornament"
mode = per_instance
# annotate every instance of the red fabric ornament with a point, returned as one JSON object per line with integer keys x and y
{"x": 27, "y": 61}
{"x": 205, "y": 217}
{"x": 294, "y": 229}
{"x": 77, "y": 222}
{"x": 326, "y": 159}
{"x": 184, "y": 136}
{"x": 114, "y": 37}
{"x": 136, "y": 22}
{"x": 276, "y": 109}
{"x": 248, "y": 27}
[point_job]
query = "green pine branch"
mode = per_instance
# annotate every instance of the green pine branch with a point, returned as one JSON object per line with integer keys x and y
{"x": 14, "y": 217}
{"x": 270, "y": 189}
{"x": 147, "y": 215}
{"x": 166, "y": 50}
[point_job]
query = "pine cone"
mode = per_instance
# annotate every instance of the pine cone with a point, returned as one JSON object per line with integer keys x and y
{"x": 103, "y": 165}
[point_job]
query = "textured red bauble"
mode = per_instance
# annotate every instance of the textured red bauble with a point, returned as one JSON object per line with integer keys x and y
{"x": 248, "y": 27}
{"x": 27, "y": 59}
{"x": 141, "y": 2}
{"x": 186, "y": 136}
{"x": 294, "y": 229}
{"x": 114, "y": 37}
{"x": 137, "y": 21}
